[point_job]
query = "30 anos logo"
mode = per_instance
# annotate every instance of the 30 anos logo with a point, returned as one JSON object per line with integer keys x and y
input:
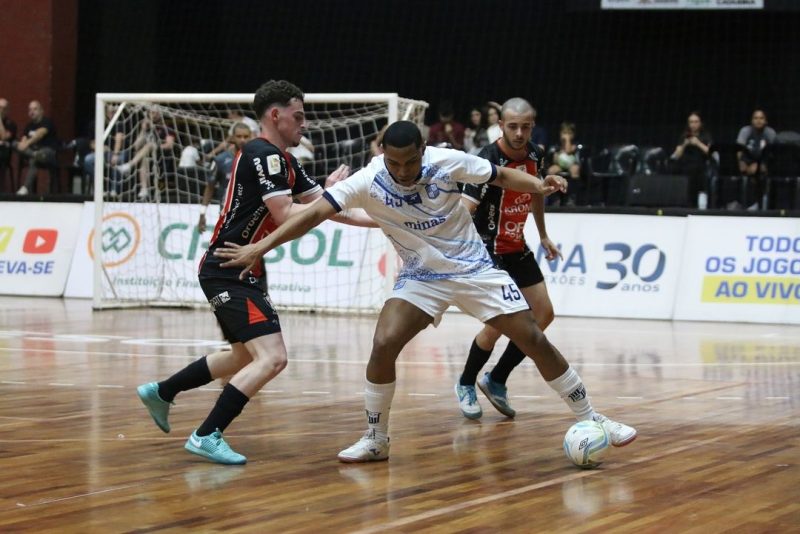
{"x": 646, "y": 263}
{"x": 119, "y": 239}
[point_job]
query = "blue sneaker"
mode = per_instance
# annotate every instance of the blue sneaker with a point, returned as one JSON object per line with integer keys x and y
{"x": 497, "y": 394}
{"x": 158, "y": 408}
{"x": 214, "y": 448}
{"x": 468, "y": 401}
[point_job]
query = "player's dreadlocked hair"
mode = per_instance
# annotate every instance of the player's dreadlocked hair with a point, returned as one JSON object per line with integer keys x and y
{"x": 275, "y": 92}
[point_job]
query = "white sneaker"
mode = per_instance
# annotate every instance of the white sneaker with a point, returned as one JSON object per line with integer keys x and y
{"x": 619, "y": 434}
{"x": 367, "y": 449}
{"x": 22, "y": 191}
{"x": 124, "y": 168}
{"x": 468, "y": 401}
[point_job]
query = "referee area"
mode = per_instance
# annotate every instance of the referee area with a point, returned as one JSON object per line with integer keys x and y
{"x": 715, "y": 406}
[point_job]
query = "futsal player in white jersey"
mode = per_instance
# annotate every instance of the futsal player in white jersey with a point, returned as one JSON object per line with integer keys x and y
{"x": 411, "y": 192}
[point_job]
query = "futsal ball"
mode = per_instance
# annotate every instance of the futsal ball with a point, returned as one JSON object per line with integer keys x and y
{"x": 586, "y": 444}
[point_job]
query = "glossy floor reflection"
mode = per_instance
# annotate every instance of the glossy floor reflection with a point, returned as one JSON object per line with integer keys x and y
{"x": 716, "y": 406}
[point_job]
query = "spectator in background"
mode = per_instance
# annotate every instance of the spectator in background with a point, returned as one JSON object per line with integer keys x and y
{"x": 691, "y": 156}
{"x": 375, "y": 147}
{"x": 218, "y": 180}
{"x": 236, "y": 116}
{"x": 476, "y": 136}
{"x": 303, "y": 152}
{"x": 565, "y": 157}
{"x": 754, "y": 138}
{"x": 38, "y": 145}
{"x": 447, "y": 131}
{"x": 8, "y": 134}
{"x": 538, "y": 135}
{"x": 494, "y": 132}
{"x": 153, "y": 135}
{"x": 114, "y": 153}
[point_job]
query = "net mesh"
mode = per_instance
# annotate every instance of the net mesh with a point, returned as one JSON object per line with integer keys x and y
{"x": 160, "y": 159}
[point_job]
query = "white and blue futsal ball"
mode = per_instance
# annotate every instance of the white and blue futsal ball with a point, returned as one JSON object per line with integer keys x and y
{"x": 586, "y": 444}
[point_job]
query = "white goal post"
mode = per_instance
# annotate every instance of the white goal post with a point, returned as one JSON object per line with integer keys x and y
{"x": 155, "y": 156}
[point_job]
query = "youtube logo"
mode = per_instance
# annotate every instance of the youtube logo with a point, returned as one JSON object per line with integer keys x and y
{"x": 40, "y": 241}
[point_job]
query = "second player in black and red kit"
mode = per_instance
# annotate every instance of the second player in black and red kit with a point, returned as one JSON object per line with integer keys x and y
{"x": 500, "y": 215}
{"x": 265, "y": 181}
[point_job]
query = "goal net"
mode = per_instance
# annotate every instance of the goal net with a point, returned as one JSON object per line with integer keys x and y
{"x": 151, "y": 172}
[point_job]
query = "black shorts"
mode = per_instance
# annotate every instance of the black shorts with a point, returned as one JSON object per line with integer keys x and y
{"x": 242, "y": 308}
{"x": 521, "y": 266}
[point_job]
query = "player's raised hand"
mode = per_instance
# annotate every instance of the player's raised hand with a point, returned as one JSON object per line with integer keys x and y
{"x": 550, "y": 249}
{"x": 553, "y": 183}
{"x": 342, "y": 172}
{"x": 246, "y": 256}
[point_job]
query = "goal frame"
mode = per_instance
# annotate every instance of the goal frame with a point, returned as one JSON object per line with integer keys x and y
{"x": 103, "y": 130}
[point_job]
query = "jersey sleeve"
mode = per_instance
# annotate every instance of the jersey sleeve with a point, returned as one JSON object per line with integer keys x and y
{"x": 304, "y": 185}
{"x": 471, "y": 169}
{"x": 271, "y": 169}
{"x": 474, "y": 192}
{"x": 352, "y": 192}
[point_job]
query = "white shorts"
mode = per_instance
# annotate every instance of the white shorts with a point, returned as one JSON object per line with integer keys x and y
{"x": 483, "y": 295}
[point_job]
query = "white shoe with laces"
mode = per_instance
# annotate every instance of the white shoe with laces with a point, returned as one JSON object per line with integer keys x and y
{"x": 619, "y": 434}
{"x": 367, "y": 449}
{"x": 468, "y": 401}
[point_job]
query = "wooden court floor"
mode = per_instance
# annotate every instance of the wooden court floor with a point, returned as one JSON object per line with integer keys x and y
{"x": 716, "y": 407}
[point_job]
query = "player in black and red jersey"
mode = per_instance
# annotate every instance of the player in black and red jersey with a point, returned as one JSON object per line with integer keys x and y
{"x": 265, "y": 180}
{"x": 500, "y": 215}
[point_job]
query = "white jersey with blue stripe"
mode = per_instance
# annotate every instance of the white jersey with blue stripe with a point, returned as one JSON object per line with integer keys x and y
{"x": 431, "y": 230}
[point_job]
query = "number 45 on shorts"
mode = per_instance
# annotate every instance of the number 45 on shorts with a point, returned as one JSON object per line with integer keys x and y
{"x": 511, "y": 293}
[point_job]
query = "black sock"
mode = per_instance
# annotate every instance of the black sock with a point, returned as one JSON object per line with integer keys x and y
{"x": 475, "y": 361}
{"x": 511, "y": 358}
{"x": 192, "y": 376}
{"x": 229, "y": 405}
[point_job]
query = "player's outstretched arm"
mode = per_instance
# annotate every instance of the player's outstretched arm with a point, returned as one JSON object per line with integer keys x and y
{"x": 248, "y": 256}
{"x": 355, "y": 217}
{"x": 516, "y": 180}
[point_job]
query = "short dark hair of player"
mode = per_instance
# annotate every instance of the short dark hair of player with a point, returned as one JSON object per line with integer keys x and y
{"x": 401, "y": 134}
{"x": 275, "y": 92}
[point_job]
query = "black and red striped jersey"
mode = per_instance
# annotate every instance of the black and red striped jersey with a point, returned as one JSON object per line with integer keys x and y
{"x": 501, "y": 213}
{"x": 260, "y": 171}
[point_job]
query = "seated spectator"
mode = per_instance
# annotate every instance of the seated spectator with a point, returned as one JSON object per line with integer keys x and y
{"x": 565, "y": 158}
{"x": 38, "y": 146}
{"x": 475, "y": 135}
{"x": 8, "y": 134}
{"x": 114, "y": 152}
{"x": 236, "y": 116}
{"x": 153, "y": 135}
{"x": 754, "y": 137}
{"x": 538, "y": 134}
{"x": 221, "y": 175}
{"x": 691, "y": 156}
{"x": 304, "y": 152}
{"x": 375, "y": 148}
{"x": 494, "y": 132}
{"x": 446, "y": 132}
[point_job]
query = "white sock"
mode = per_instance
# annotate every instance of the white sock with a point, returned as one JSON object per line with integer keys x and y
{"x": 378, "y": 400}
{"x": 570, "y": 388}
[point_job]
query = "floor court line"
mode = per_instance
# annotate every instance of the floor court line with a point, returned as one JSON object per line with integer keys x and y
{"x": 405, "y": 521}
{"x": 399, "y": 363}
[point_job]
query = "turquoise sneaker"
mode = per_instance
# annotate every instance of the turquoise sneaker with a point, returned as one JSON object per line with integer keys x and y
{"x": 497, "y": 394}
{"x": 214, "y": 448}
{"x": 159, "y": 409}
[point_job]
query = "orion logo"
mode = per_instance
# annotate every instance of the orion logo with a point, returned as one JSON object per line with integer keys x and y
{"x": 373, "y": 418}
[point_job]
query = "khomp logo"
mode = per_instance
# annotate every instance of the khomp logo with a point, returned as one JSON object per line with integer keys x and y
{"x": 120, "y": 239}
